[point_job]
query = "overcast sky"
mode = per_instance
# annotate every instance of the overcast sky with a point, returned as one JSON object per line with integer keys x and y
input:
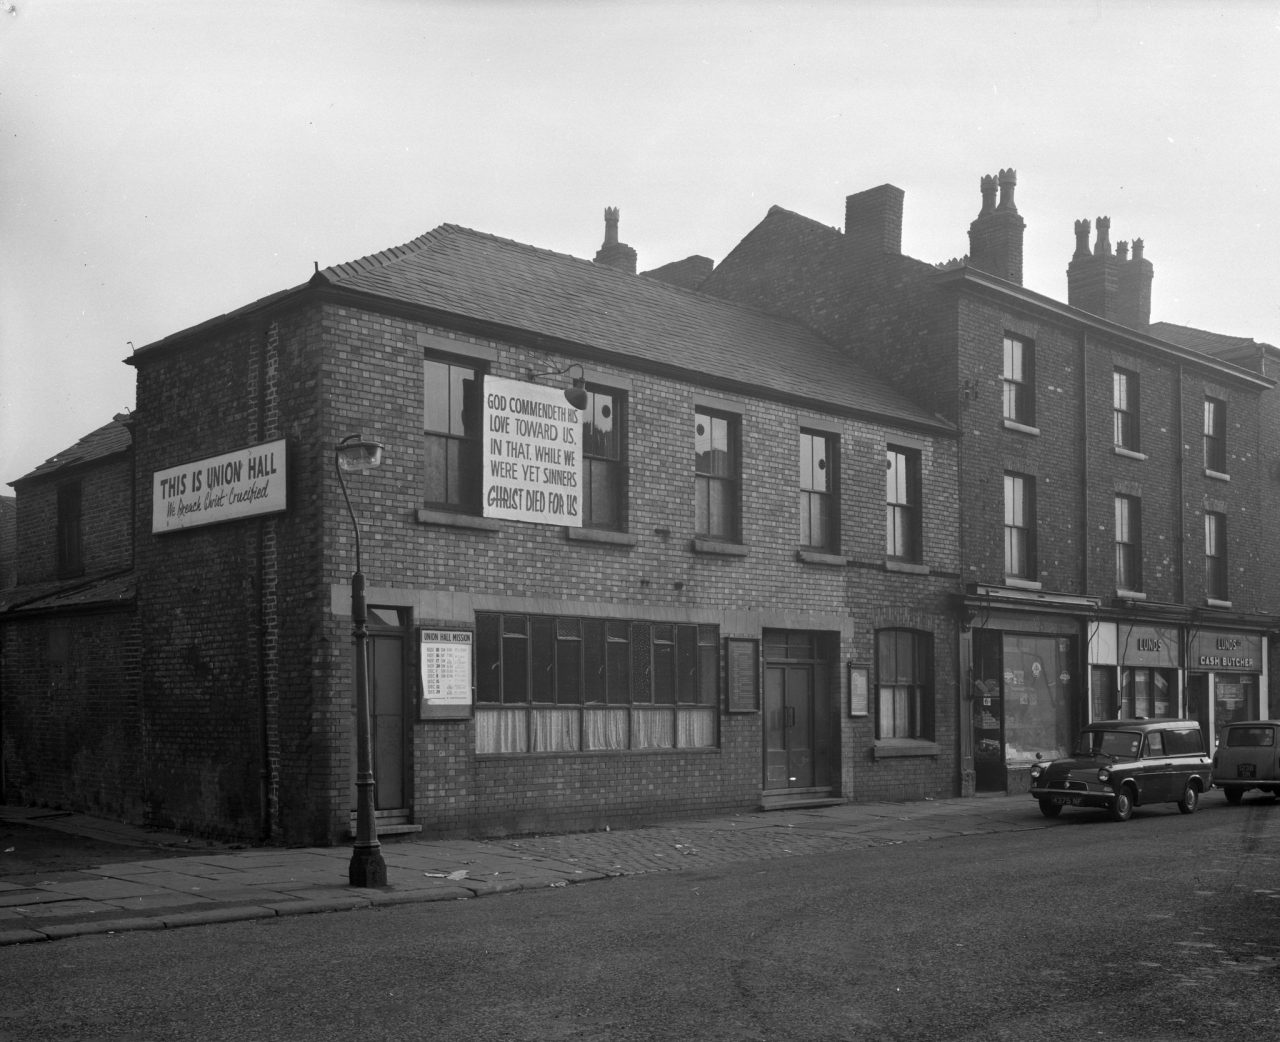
{"x": 164, "y": 162}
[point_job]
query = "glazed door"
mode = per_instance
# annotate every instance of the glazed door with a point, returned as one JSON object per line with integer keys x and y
{"x": 389, "y": 714}
{"x": 789, "y": 737}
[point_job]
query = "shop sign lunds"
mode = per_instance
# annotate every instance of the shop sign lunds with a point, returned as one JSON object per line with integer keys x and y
{"x": 244, "y": 483}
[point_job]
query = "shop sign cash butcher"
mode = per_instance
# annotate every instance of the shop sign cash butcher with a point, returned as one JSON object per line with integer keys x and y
{"x": 532, "y": 454}
{"x": 243, "y": 483}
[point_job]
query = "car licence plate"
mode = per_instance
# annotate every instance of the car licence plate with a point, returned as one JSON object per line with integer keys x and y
{"x": 1067, "y": 801}
{"x": 1246, "y": 770}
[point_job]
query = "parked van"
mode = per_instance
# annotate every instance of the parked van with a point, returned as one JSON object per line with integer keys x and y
{"x": 1248, "y": 757}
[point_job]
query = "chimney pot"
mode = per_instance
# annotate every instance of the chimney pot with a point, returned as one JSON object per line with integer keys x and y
{"x": 988, "y": 189}
{"x": 1008, "y": 181}
{"x": 615, "y": 254}
{"x": 1102, "y": 247}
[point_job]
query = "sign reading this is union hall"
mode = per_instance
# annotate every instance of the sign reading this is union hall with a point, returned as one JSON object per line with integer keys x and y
{"x": 243, "y": 483}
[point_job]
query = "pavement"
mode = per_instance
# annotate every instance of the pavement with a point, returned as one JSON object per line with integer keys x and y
{"x": 226, "y": 885}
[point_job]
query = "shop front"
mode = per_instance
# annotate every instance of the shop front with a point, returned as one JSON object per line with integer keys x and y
{"x": 1226, "y": 677}
{"x": 1026, "y": 695}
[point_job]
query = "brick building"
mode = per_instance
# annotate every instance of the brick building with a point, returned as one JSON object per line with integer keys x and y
{"x": 1117, "y": 482}
{"x": 727, "y": 580}
{"x": 70, "y": 719}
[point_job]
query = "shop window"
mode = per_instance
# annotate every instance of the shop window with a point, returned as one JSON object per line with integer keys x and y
{"x": 1019, "y": 381}
{"x": 1129, "y": 543}
{"x": 1020, "y": 526}
{"x": 451, "y": 431}
{"x": 1148, "y": 693}
{"x": 604, "y": 471}
{"x": 717, "y": 469}
{"x": 1235, "y": 697}
{"x": 902, "y": 504}
{"x": 1215, "y": 556}
{"x": 904, "y": 685}
{"x": 568, "y": 684}
{"x": 1125, "y": 409}
{"x": 819, "y": 491}
{"x": 1040, "y": 713}
{"x": 1215, "y": 435}
{"x": 69, "y": 534}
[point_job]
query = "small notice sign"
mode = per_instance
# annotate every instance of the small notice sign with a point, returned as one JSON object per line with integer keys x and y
{"x": 532, "y": 454}
{"x": 445, "y": 665}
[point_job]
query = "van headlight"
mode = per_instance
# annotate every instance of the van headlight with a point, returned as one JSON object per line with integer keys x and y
{"x": 1036, "y": 771}
{"x": 1104, "y": 774}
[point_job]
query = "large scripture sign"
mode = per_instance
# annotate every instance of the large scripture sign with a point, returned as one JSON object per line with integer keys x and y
{"x": 237, "y": 484}
{"x": 532, "y": 454}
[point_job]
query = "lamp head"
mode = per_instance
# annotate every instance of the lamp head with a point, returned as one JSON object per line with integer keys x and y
{"x": 355, "y": 453}
{"x": 577, "y": 394}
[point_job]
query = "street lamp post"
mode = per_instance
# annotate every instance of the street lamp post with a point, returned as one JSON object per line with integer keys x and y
{"x": 367, "y": 868}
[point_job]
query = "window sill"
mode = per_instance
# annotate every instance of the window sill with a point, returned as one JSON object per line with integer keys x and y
{"x": 1021, "y": 428}
{"x": 1213, "y": 602}
{"x": 452, "y": 520}
{"x": 898, "y": 748}
{"x": 600, "y": 535}
{"x": 1129, "y": 453}
{"x": 909, "y": 567}
{"x": 1216, "y": 475}
{"x": 818, "y": 557}
{"x": 715, "y": 546}
{"x": 1129, "y": 595}
{"x": 1022, "y": 584}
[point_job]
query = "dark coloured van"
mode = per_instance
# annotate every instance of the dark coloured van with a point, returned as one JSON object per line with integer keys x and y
{"x": 1247, "y": 758}
{"x": 1121, "y": 764}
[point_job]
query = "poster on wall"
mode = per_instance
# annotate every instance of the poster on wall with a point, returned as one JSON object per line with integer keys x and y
{"x": 244, "y": 483}
{"x": 444, "y": 662}
{"x": 532, "y": 454}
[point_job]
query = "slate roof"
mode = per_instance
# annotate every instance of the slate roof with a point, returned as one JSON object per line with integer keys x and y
{"x": 108, "y": 440}
{"x": 1217, "y": 344}
{"x": 491, "y": 279}
{"x": 102, "y": 592}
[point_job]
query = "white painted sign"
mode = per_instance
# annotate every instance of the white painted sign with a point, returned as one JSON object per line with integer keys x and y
{"x": 532, "y": 454}
{"x": 238, "y": 484}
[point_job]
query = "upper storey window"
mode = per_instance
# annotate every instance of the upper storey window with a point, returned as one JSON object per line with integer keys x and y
{"x": 69, "y": 535}
{"x": 1019, "y": 526}
{"x": 1215, "y": 435}
{"x": 451, "y": 430}
{"x": 902, "y": 504}
{"x": 818, "y": 491}
{"x": 1019, "y": 381}
{"x": 1125, "y": 409}
{"x": 718, "y": 474}
{"x": 602, "y": 450}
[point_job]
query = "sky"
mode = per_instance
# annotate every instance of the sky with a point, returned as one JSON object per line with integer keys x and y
{"x": 163, "y": 162}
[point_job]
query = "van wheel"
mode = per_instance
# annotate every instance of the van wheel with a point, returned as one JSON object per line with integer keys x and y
{"x": 1234, "y": 794}
{"x": 1190, "y": 799}
{"x": 1122, "y": 807}
{"x": 1050, "y": 809}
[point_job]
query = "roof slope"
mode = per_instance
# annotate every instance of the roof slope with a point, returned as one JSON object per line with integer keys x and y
{"x": 108, "y": 440}
{"x": 491, "y": 279}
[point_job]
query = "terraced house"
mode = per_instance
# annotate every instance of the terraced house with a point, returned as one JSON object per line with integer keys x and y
{"x": 1117, "y": 478}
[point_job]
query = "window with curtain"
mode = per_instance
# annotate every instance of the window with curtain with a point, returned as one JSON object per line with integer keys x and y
{"x": 1019, "y": 381}
{"x": 451, "y": 432}
{"x": 818, "y": 491}
{"x": 717, "y": 476}
{"x": 1215, "y": 435}
{"x": 604, "y": 473}
{"x": 1019, "y": 526}
{"x": 1215, "y": 556}
{"x": 1125, "y": 409}
{"x": 1128, "y": 543}
{"x": 568, "y": 684}
{"x": 902, "y": 504}
{"x": 904, "y": 687}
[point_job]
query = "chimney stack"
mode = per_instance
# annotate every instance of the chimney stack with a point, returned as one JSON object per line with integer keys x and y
{"x": 995, "y": 236}
{"x": 615, "y": 254}
{"x": 873, "y": 219}
{"x": 1113, "y": 286}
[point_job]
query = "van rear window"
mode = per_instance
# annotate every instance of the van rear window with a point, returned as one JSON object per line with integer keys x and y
{"x": 1184, "y": 742}
{"x": 1251, "y": 736}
